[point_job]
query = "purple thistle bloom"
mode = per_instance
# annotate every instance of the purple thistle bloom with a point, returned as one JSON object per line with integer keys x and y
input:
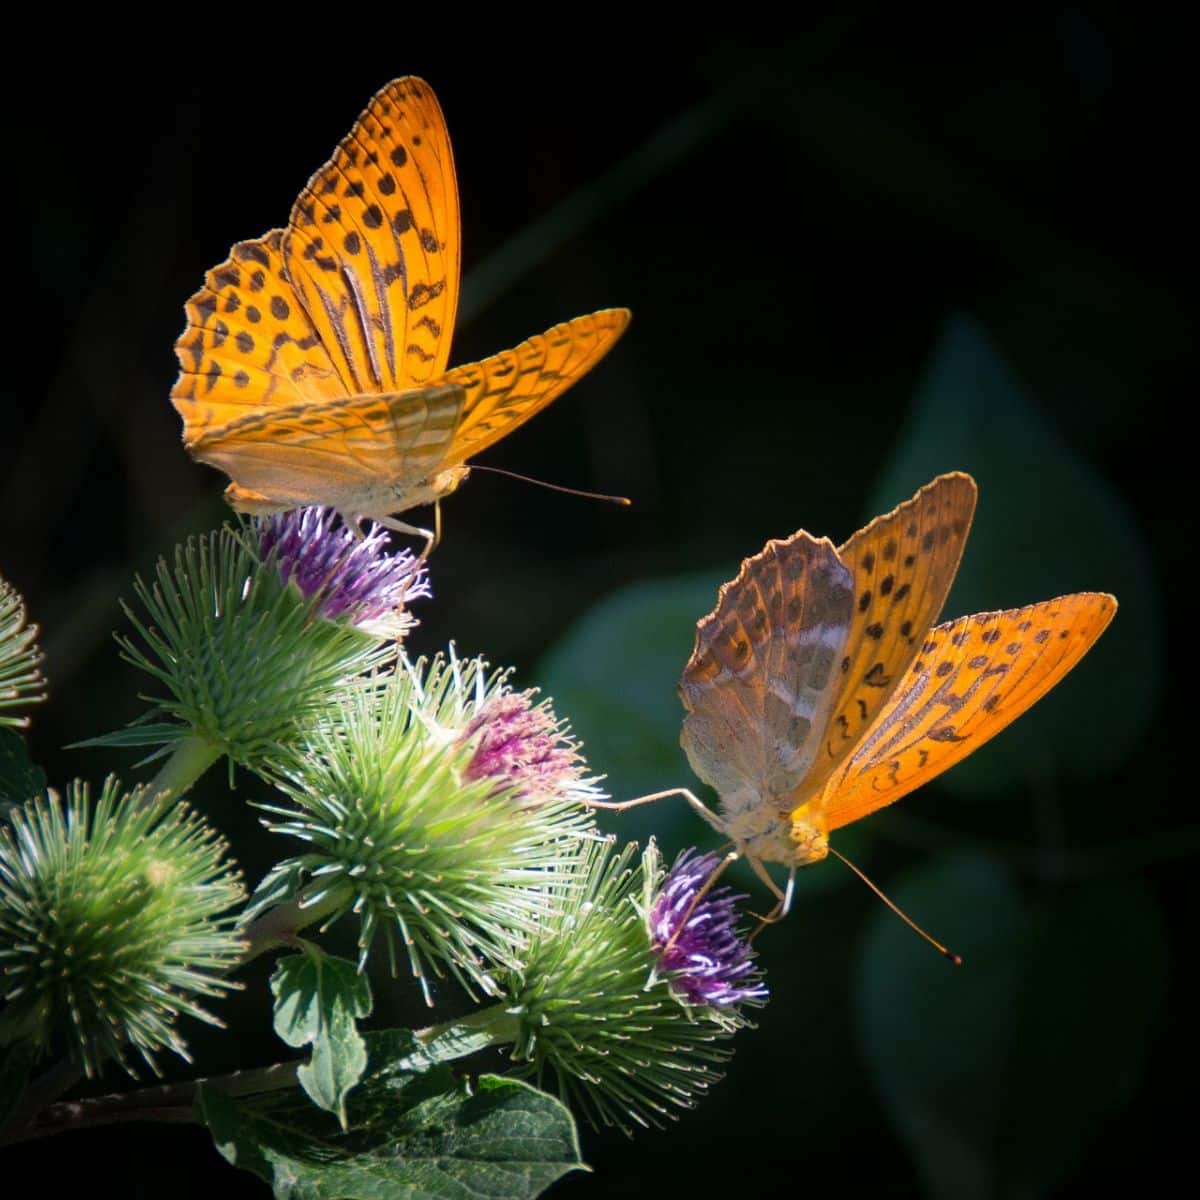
{"x": 715, "y": 963}
{"x": 525, "y": 747}
{"x": 355, "y": 577}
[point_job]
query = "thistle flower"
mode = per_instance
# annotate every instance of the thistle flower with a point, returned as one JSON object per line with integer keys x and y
{"x": 350, "y": 577}
{"x": 111, "y": 924}
{"x": 591, "y": 1002}
{"x": 695, "y": 937}
{"x": 21, "y": 681}
{"x": 517, "y": 743}
{"x": 243, "y": 661}
{"x": 399, "y": 834}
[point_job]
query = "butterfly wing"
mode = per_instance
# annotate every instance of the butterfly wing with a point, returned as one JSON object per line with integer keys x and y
{"x": 373, "y": 244}
{"x": 314, "y": 361}
{"x": 762, "y": 677}
{"x": 505, "y": 390}
{"x": 373, "y": 454}
{"x": 972, "y": 677}
{"x": 357, "y": 455}
{"x": 903, "y": 565}
{"x": 248, "y": 344}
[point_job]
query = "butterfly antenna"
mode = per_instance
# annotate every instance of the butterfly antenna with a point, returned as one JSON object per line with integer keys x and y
{"x": 624, "y": 501}
{"x": 954, "y": 958}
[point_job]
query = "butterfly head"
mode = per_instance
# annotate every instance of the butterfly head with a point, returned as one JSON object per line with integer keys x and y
{"x": 399, "y": 497}
{"x": 445, "y": 482}
{"x": 809, "y": 834}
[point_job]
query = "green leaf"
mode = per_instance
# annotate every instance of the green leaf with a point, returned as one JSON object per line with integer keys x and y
{"x": 20, "y": 778}
{"x": 318, "y": 999}
{"x": 1047, "y": 523}
{"x": 410, "y": 1136}
{"x": 1000, "y": 1073}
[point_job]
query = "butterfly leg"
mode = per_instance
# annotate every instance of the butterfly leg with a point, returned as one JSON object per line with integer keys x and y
{"x": 431, "y": 538}
{"x": 354, "y": 524}
{"x": 784, "y": 905}
{"x": 697, "y": 805}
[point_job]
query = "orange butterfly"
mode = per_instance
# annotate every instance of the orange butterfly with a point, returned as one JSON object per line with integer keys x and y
{"x": 820, "y": 690}
{"x": 313, "y": 364}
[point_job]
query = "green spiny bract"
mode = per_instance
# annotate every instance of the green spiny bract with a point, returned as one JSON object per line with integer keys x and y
{"x": 112, "y": 923}
{"x": 591, "y": 1003}
{"x": 21, "y": 681}
{"x": 464, "y": 870}
{"x": 244, "y": 657}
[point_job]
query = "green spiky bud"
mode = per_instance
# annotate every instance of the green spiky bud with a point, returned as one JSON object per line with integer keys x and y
{"x": 244, "y": 656}
{"x": 461, "y": 866}
{"x": 113, "y": 923}
{"x": 594, "y": 1002}
{"x": 21, "y": 680}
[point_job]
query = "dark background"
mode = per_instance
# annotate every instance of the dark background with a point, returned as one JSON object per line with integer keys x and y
{"x": 857, "y": 254}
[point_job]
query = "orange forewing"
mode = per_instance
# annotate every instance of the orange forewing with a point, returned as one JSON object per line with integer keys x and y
{"x": 504, "y": 391}
{"x": 903, "y": 564}
{"x": 372, "y": 245}
{"x": 971, "y": 678}
{"x": 248, "y": 344}
{"x": 357, "y": 295}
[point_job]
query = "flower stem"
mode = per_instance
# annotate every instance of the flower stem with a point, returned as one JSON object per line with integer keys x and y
{"x": 188, "y": 761}
{"x": 464, "y": 1035}
{"x": 280, "y": 925}
{"x": 167, "y": 1103}
{"x": 173, "y": 1103}
{"x": 40, "y": 1092}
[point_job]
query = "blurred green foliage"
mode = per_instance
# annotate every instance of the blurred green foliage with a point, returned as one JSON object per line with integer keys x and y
{"x": 1047, "y": 523}
{"x": 993, "y": 1074}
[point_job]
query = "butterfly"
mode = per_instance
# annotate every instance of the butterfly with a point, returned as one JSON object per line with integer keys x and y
{"x": 820, "y": 690}
{"x": 313, "y": 364}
